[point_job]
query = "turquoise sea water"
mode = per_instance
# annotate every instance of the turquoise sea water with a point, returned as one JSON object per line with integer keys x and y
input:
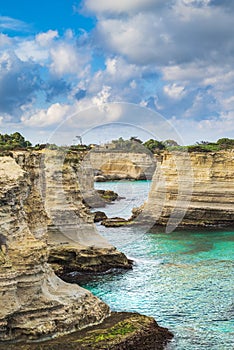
{"x": 183, "y": 279}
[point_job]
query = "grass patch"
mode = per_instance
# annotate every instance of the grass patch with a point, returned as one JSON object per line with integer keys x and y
{"x": 121, "y": 329}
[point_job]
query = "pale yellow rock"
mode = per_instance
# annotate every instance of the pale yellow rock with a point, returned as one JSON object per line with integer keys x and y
{"x": 34, "y": 302}
{"x": 121, "y": 165}
{"x": 193, "y": 189}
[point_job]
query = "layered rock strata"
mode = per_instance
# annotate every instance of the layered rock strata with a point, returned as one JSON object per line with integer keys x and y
{"x": 122, "y": 165}
{"x": 74, "y": 242}
{"x": 120, "y": 331}
{"x": 195, "y": 189}
{"x": 34, "y": 302}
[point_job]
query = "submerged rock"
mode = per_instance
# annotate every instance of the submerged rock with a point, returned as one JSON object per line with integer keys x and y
{"x": 99, "y": 216}
{"x": 100, "y": 198}
{"x": 108, "y": 195}
{"x": 115, "y": 222}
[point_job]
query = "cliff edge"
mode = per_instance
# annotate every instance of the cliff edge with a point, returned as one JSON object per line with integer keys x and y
{"x": 192, "y": 190}
{"x": 34, "y": 302}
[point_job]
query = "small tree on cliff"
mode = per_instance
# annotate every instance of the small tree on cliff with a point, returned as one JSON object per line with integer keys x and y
{"x": 170, "y": 143}
{"x": 13, "y": 141}
{"x": 154, "y": 145}
{"x": 225, "y": 143}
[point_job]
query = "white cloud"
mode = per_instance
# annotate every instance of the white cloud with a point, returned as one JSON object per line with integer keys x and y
{"x": 177, "y": 34}
{"x": 67, "y": 59}
{"x": 121, "y": 71}
{"x": 221, "y": 126}
{"x": 175, "y": 91}
{"x": 175, "y": 56}
{"x": 228, "y": 103}
{"x": 45, "y": 39}
{"x": 4, "y": 40}
{"x": 38, "y": 48}
{"x": 103, "y": 96}
{"x": 30, "y": 50}
{"x": 46, "y": 117}
{"x": 207, "y": 129}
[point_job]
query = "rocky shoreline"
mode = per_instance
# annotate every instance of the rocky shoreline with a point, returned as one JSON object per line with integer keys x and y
{"x": 120, "y": 331}
{"x": 45, "y": 224}
{"x": 188, "y": 191}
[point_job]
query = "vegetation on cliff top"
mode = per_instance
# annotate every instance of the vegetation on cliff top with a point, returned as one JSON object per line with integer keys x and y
{"x": 16, "y": 141}
{"x": 13, "y": 141}
{"x": 136, "y": 145}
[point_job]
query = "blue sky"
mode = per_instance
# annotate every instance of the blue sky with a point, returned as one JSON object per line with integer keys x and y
{"x": 165, "y": 66}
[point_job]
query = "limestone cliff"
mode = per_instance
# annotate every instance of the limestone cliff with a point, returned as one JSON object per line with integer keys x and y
{"x": 64, "y": 180}
{"x": 33, "y": 301}
{"x": 122, "y": 165}
{"x": 192, "y": 189}
{"x": 75, "y": 244}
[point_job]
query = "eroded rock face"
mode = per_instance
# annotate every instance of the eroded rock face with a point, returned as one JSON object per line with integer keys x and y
{"x": 195, "y": 189}
{"x": 120, "y": 165}
{"x": 74, "y": 242}
{"x": 34, "y": 302}
{"x": 120, "y": 331}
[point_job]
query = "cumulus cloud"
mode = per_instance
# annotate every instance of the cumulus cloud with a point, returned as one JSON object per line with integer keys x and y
{"x": 18, "y": 82}
{"x": 175, "y": 91}
{"x": 173, "y": 56}
{"x": 45, "y": 39}
{"x": 47, "y": 117}
{"x": 67, "y": 59}
{"x": 29, "y": 50}
{"x": 178, "y": 35}
{"x": 33, "y": 67}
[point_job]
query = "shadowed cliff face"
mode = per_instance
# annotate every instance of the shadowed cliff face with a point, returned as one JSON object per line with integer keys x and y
{"x": 195, "y": 189}
{"x": 33, "y": 301}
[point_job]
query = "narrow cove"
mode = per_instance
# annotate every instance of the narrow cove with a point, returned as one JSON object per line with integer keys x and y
{"x": 182, "y": 279}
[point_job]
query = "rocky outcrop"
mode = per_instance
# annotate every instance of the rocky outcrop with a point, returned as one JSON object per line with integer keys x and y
{"x": 122, "y": 165}
{"x": 34, "y": 302}
{"x": 74, "y": 242}
{"x": 42, "y": 217}
{"x": 192, "y": 190}
{"x": 120, "y": 331}
{"x": 100, "y": 198}
{"x": 99, "y": 216}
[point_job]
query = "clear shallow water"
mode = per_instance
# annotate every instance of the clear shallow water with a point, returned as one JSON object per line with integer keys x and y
{"x": 134, "y": 193}
{"x": 184, "y": 280}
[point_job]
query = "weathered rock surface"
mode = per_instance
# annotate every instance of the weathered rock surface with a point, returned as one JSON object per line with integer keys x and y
{"x": 121, "y": 331}
{"x": 100, "y": 198}
{"x": 120, "y": 165}
{"x": 99, "y": 216}
{"x": 74, "y": 242}
{"x": 34, "y": 302}
{"x": 195, "y": 189}
{"x": 115, "y": 222}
